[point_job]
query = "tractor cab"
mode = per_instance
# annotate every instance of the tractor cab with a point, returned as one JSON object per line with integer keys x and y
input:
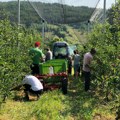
{"x": 62, "y": 50}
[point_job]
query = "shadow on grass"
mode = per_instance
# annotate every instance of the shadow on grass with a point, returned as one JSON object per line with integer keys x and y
{"x": 81, "y": 103}
{"x": 20, "y": 97}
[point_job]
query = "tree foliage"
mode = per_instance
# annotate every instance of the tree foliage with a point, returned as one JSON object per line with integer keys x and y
{"x": 106, "y": 39}
{"x": 14, "y": 60}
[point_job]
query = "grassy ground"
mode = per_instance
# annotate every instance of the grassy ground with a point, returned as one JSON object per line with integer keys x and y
{"x": 53, "y": 105}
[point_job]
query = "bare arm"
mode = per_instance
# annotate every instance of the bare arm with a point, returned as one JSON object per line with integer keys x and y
{"x": 16, "y": 87}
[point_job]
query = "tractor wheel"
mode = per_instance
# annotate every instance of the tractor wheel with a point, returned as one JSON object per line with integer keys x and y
{"x": 64, "y": 85}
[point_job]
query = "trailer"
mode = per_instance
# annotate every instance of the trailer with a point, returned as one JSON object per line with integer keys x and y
{"x": 53, "y": 73}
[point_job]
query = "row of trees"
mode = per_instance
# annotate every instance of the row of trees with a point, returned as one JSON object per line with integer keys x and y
{"x": 106, "y": 39}
{"x": 14, "y": 60}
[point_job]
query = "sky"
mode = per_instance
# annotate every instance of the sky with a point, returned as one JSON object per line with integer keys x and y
{"x": 90, "y": 3}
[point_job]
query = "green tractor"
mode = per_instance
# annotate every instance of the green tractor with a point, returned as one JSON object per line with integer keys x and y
{"x": 62, "y": 50}
{"x": 55, "y": 72}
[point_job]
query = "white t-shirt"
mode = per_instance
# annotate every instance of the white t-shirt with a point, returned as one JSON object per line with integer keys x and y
{"x": 33, "y": 81}
{"x": 87, "y": 61}
{"x": 49, "y": 55}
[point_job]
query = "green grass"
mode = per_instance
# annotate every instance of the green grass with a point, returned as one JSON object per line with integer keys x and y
{"x": 53, "y": 105}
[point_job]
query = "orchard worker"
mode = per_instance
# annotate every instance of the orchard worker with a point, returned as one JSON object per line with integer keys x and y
{"x": 37, "y": 57}
{"x": 69, "y": 65}
{"x": 76, "y": 59}
{"x": 48, "y": 55}
{"x": 88, "y": 57}
{"x": 32, "y": 85}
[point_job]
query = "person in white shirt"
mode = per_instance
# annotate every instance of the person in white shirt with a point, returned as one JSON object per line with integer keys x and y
{"x": 33, "y": 85}
{"x": 48, "y": 55}
{"x": 88, "y": 57}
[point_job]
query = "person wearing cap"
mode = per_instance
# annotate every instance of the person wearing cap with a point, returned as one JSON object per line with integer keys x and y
{"x": 88, "y": 57}
{"x": 37, "y": 57}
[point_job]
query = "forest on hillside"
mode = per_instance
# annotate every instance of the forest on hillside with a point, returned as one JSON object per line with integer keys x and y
{"x": 53, "y": 13}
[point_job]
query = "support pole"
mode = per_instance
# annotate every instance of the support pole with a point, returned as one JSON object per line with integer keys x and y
{"x": 104, "y": 10}
{"x": 18, "y": 22}
{"x": 43, "y": 30}
{"x": 88, "y": 28}
{"x": 18, "y": 12}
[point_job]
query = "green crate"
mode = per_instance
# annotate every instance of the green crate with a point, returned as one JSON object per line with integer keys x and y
{"x": 58, "y": 66}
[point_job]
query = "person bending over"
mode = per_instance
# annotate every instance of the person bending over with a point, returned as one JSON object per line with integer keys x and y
{"x": 31, "y": 84}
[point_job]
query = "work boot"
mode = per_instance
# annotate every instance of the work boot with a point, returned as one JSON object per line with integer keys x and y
{"x": 38, "y": 96}
{"x": 26, "y": 95}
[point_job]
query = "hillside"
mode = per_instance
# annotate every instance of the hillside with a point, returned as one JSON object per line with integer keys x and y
{"x": 52, "y": 13}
